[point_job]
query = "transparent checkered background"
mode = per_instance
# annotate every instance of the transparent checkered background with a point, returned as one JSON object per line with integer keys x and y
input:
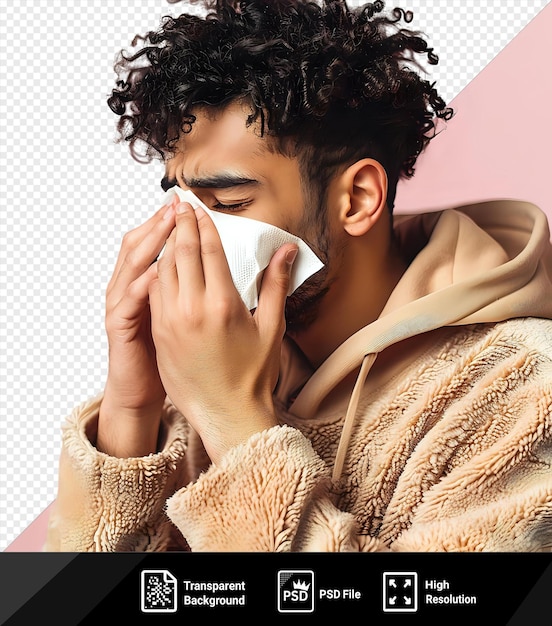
{"x": 68, "y": 193}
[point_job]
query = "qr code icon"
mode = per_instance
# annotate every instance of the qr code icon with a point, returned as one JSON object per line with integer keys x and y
{"x": 158, "y": 591}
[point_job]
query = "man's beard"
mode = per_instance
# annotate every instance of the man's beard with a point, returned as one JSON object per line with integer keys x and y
{"x": 303, "y": 304}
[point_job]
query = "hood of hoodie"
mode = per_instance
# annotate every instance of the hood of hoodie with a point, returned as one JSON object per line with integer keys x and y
{"x": 484, "y": 262}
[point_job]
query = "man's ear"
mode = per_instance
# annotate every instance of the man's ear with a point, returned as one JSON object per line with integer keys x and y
{"x": 363, "y": 187}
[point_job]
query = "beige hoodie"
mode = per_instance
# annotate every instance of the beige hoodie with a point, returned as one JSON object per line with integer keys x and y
{"x": 443, "y": 442}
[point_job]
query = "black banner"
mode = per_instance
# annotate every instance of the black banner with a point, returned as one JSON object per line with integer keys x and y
{"x": 170, "y": 588}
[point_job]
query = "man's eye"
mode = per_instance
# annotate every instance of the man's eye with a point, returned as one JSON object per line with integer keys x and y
{"x": 231, "y": 207}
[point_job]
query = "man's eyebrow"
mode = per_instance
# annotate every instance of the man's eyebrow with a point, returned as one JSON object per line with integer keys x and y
{"x": 219, "y": 181}
{"x": 223, "y": 180}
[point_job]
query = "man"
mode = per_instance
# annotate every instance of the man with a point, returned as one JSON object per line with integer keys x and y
{"x": 400, "y": 399}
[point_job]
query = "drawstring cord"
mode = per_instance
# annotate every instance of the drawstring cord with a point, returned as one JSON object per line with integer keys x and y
{"x": 365, "y": 368}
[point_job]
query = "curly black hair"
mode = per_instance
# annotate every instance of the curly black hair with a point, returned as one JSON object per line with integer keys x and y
{"x": 331, "y": 83}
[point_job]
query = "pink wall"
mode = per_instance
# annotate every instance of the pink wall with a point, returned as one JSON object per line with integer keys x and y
{"x": 499, "y": 144}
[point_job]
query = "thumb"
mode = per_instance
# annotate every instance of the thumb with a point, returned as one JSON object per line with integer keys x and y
{"x": 274, "y": 288}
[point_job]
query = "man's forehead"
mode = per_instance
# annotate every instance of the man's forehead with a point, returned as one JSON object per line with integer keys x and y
{"x": 235, "y": 119}
{"x": 219, "y": 145}
{"x": 212, "y": 173}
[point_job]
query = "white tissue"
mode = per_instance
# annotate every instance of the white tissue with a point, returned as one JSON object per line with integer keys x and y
{"x": 249, "y": 245}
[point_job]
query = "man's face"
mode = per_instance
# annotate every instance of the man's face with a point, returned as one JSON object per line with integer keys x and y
{"x": 231, "y": 169}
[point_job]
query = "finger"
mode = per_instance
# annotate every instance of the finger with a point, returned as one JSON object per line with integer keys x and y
{"x": 218, "y": 278}
{"x": 135, "y": 299}
{"x": 141, "y": 246}
{"x": 140, "y": 249}
{"x": 167, "y": 271}
{"x": 187, "y": 253}
{"x": 274, "y": 290}
{"x": 155, "y": 302}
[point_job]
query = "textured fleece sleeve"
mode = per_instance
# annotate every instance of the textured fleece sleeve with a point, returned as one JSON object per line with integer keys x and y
{"x": 270, "y": 494}
{"x": 517, "y": 523}
{"x": 114, "y": 504}
{"x": 499, "y": 501}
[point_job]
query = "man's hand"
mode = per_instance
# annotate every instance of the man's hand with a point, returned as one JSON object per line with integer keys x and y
{"x": 131, "y": 407}
{"x": 218, "y": 362}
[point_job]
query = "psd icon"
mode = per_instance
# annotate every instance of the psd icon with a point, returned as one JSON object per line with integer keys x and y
{"x": 158, "y": 591}
{"x": 295, "y": 591}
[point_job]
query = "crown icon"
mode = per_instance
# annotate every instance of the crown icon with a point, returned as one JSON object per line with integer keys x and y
{"x": 299, "y": 584}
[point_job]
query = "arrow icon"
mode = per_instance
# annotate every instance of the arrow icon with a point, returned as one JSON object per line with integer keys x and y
{"x": 400, "y": 592}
